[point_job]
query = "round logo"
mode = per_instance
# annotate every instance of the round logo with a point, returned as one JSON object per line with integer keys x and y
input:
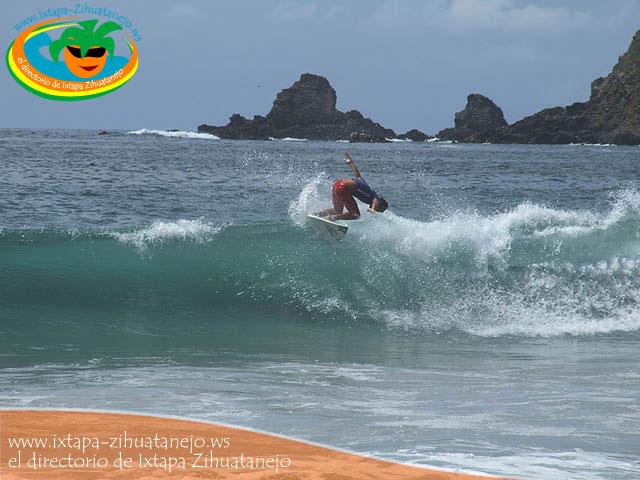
{"x": 71, "y": 59}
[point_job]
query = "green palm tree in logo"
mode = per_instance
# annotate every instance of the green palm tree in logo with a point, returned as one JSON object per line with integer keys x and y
{"x": 85, "y": 47}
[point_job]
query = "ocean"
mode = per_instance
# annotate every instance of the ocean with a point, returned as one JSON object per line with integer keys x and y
{"x": 489, "y": 321}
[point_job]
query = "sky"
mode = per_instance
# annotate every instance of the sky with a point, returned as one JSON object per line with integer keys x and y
{"x": 404, "y": 63}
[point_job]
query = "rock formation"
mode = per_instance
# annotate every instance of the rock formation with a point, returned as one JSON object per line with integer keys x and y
{"x": 415, "y": 136}
{"x": 481, "y": 115}
{"x": 363, "y": 137}
{"x": 611, "y": 115}
{"x": 241, "y": 128}
{"x": 307, "y": 109}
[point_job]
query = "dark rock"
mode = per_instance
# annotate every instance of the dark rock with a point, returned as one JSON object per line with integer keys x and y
{"x": 611, "y": 115}
{"x": 614, "y": 106}
{"x": 103, "y": 132}
{"x": 308, "y": 103}
{"x": 480, "y": 115}
{"x": 415, "y": 136}
{"x": 620, "y": 136}
{"x": 307, "y": 109}
{"x": 241, "y": 128}
{"x": 363, "y": 137}
{"x": 560, "y": 125}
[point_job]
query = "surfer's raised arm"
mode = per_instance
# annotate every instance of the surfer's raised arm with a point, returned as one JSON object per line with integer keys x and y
{"x": 352, "y": 164}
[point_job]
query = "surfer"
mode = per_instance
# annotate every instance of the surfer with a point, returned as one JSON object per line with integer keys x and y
{"x": 346, "y": 190}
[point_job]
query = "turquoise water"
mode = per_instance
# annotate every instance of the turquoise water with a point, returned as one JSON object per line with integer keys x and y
{"x": 489, "y": 321}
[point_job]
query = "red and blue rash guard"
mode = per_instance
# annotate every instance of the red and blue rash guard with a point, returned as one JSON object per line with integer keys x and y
{"x": 364, "y": 192}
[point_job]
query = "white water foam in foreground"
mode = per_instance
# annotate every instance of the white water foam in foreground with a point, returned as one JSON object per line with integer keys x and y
{"x": 576, "y": 272}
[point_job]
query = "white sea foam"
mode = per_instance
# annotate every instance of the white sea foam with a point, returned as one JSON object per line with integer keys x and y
{"x": 592, "y": 145}
{"x": 310, "y": 200}
{"x": 486, "y": 237}
{"x": 492, "y": 235}
{"x": 394, "y": 140}
{"x": 174, "y": 134}
{"x": 160, "y": 232}
{"x": 491, "y": 314}
{"x": 288, "y": 139}
{"x": 580, "y": 269}
{"x": 531, "y": 322}
{"x": 437, "y": 140}
{"x": 538, "y": 463}
{"x": 483, "y": 236}
{"x": 553, "y": 300}
{"x": 597, "y": 299}
{"x": 568, "y": 298}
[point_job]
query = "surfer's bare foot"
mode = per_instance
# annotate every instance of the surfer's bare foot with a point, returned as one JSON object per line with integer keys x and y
{"x": 326, "y": 213}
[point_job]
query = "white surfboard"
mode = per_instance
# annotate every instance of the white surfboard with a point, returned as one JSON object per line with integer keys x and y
{"x": 327, "y": 228}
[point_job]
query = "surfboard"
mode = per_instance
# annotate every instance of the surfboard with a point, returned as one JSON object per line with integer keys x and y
{"x": 326, "y": 228}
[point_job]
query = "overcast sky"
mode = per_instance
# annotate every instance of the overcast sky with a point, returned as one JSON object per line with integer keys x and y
{"x": 406, "y": 64}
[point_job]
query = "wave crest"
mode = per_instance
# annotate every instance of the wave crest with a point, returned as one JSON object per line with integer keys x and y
{"x": 160, "y": 232}
{"x": 174, "y": 134}
{"x": 529, "y": 271}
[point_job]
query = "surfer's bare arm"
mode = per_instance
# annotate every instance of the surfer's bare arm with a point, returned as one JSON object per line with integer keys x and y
{"x": 352, "y": 164}
{"x": 374, "y": 204}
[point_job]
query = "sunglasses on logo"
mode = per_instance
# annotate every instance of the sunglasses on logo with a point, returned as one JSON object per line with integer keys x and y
{"x": 96, "y": 52}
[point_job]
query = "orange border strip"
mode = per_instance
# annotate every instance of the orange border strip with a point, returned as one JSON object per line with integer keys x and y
{"x": 308, "y": 461}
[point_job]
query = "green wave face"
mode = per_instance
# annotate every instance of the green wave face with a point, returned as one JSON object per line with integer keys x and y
{"x": 173, "y": 286}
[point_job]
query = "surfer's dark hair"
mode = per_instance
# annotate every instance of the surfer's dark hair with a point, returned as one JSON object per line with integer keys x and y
{"x": 381, "y": 205}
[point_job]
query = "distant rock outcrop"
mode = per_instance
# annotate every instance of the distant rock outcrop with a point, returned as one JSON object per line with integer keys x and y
{"x": 560, "y": 125}
{"x": 480, "y": 115}
{"x": 415, "y": 136}
{"x": 363, "y": 137}
{"x": 611, "y": 115}
{"x": 241, "y": 128}
{"x": 307, "y": 109}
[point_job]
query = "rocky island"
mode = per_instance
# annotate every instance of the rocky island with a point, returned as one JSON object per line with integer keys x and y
{"x": 480, "y": 117}
{"x": 611, "y": 115}
{"x": 307, "y": 109}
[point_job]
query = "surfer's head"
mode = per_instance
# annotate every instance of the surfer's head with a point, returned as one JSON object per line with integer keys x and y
{"x": 381, "y": 205}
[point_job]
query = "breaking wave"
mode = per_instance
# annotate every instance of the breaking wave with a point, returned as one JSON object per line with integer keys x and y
{"x": 529, "y": 271}
{"x": 160, "y": 232}
{"x": 174, "y": 134}
{"x": 288, "y": 139}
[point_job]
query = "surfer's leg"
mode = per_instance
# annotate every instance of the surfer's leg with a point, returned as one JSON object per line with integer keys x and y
{"x": 352, "y": 208}
{"x": 352, "y": 213}
{"x": 338, "y": 197}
